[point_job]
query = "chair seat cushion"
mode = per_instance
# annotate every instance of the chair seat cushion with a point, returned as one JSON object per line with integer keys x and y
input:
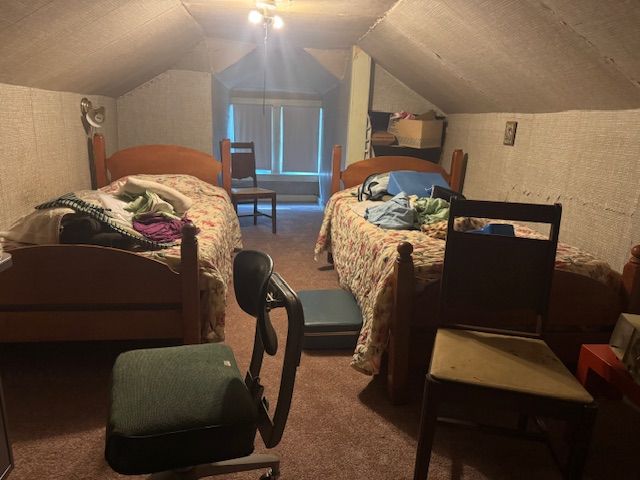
{"x": 332, "y": 319}
{"x": 517, "y": 364}
{"x": 178, "y": 406}
{"x": 252, "y": 191}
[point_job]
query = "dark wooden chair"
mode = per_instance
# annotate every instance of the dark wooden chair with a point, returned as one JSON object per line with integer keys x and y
{"x": 239, "y": 159}
{"x": 495, "y": 357}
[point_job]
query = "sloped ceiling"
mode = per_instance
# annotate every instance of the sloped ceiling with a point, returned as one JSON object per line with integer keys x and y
{"x": 288, "y": 69}
{"x": 513, "y": 56}
{"x": 323, "y": 24}
{"x": 464, "y": 56}
{"x": 94, "y": 47}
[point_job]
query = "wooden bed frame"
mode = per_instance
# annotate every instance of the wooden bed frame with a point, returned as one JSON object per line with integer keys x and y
{"x": 573, "y": 297}
{"x": 85, "y": 292}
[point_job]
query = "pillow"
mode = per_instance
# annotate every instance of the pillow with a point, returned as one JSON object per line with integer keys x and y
{"x": 135, "y": 186}
{"x": 414, "y": 183}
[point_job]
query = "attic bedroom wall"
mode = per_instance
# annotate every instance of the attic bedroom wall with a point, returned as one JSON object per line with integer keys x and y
{"x": 388, "y": 94}
{"x": 43, "y": 146}
{"x": 586, "y": 160}
{"x": 172, "y": 108}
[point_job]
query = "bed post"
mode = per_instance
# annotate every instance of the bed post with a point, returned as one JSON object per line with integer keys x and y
{"x": 189, "y": 273}
{"x": 457, "y": 170}
{"x": 631, "y": 281}
{"x": 225, "y": 154}
{"x": 98, "y": 165}
{"x": 336, "y": 163}
{"x": 398, "y": 350}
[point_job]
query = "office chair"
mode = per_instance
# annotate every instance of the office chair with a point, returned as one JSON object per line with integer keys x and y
{"x": 238, "y": 162}
{"x": 493, "y": 302}
{"x": 185, "y": 412}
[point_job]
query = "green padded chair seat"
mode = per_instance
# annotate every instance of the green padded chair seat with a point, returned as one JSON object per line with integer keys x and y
{"x": 332, "y": 319}
{"x": 178, "y": 406}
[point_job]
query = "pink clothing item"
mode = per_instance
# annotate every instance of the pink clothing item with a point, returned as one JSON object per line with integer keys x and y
{"x": 160, "y": 228}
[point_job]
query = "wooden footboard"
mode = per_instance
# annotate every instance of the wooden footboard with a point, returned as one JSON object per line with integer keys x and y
{"x": 582, "y": 310}
{"x": 86, "y": 292}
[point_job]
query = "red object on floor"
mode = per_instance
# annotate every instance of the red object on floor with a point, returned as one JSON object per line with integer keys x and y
{"x": 601, "y": 360}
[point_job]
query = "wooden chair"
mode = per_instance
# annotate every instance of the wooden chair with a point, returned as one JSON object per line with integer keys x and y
{"x": 239, "y": 162}
{"x": 494, "y": 356}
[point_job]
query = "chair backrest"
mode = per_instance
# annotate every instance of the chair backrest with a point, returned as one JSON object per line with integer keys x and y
{"x": 243, "y": 161}
{"x": 494, "y": 282}
{"x": 258, "y": 290}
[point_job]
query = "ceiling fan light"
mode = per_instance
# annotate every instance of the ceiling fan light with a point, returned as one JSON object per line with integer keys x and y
{"x": 278, "y": 23}
{"x": 255, "y": 17}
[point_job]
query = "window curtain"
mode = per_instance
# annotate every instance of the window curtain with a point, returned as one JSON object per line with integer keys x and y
{"x": 253, "y": 124}
{"x": 300, "y": 139}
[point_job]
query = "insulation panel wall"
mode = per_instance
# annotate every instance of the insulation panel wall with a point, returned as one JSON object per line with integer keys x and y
{"x": 101, "y": 47}
{"x": 586, "y": 160}
{"x": 173, "y": 108}
{"x": 513, "y": 55}
{"x": 391, "y": 95}
{"x": 43, "y": 147}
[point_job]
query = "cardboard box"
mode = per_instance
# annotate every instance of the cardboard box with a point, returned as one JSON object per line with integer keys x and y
{"x": 417, "y": 133}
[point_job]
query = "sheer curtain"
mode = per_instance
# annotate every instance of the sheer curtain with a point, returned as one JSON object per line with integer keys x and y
{"x": 300, "y": 134}
{"x": 253, "y": 124}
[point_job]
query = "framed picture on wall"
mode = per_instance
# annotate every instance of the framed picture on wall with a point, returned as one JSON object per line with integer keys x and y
{"x": 510, "y": 133}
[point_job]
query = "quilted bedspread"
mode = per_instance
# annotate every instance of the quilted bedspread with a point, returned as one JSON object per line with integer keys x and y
{"x": 364, "y": 256}
{"x": 219, "y": 236}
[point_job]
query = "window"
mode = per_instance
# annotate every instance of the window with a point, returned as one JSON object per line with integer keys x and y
{"x": 287, "y": 134}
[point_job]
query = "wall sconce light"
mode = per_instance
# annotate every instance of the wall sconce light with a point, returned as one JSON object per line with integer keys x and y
{"x": 91, "y": 117}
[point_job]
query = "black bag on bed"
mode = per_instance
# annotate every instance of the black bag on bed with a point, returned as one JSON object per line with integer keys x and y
{"x": 374, "y": 187}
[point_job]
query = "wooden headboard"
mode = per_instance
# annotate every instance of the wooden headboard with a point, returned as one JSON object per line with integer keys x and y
{"x": 153, "y": 159}
{"x": 357, "y": 172}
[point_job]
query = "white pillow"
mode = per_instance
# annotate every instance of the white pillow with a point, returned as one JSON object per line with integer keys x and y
{"x": 135, "y": 186}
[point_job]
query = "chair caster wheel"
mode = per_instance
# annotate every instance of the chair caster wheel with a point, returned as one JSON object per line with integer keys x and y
{"x": 270, "y": 475}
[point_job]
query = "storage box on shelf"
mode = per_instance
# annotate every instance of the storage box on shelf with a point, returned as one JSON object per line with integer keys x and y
{"x": 417, "y": 133}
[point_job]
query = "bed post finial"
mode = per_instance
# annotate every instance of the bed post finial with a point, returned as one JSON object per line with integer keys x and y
{"x": 399, "y": 330}
{"x": 225, "y": 154}
{"x": 99, "y": 160}
{"x": 457, "y": 170}
{"x": 631, "y": 281}
{"x": 189, "y": 273}
{"x": 336, "y": 163}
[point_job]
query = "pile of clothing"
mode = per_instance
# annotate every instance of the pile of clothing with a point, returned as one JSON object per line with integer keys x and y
{"x": 404, "y": 213}
{"x": 142, "y": 213}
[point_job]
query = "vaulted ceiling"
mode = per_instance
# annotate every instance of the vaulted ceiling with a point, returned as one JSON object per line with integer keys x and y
{"x": 480, "y": 56}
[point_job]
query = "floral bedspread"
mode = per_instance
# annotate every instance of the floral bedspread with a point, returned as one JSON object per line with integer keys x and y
{"x": 219, "y": 236}
{"x": 364, "y": 255}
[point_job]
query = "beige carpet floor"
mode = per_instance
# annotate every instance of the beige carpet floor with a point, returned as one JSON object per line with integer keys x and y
{"x": 341, "y": 425}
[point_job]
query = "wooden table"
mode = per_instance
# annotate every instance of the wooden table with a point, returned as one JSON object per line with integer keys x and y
{"x": 600, "y": 359}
